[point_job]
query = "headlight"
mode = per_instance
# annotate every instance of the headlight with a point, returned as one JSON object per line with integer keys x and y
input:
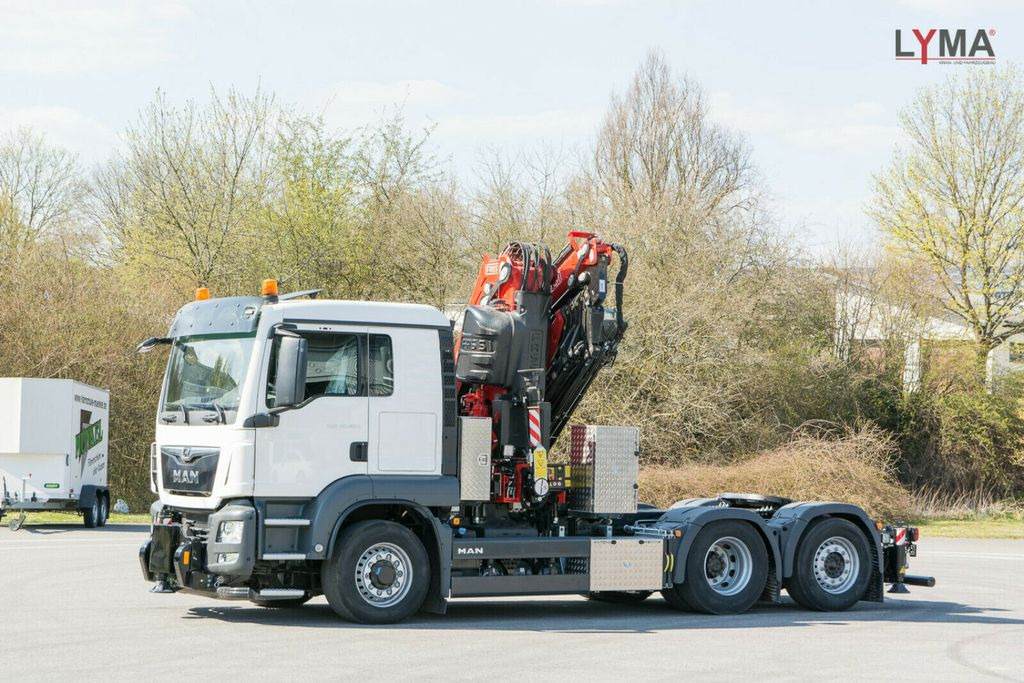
{"x": 227, "y": 558}
{"x": 230, "y": 532}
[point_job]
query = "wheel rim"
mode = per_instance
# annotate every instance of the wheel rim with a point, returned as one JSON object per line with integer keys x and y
{"x": 836, "y": 565}
{"x": 383, "y": 575}
{"x": 728, "y": 566}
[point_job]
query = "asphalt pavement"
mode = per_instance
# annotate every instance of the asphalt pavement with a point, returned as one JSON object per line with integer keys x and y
{"x": 74, "y": 606}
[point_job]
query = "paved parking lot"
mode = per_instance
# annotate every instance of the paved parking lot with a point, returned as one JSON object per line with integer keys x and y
{"x": 74, "y": 604}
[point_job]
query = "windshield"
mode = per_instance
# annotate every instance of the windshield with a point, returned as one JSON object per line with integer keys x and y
{"x": 204, "y": 376}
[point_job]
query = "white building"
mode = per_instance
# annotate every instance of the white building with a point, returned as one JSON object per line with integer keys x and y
{"x": 864, "y": 320}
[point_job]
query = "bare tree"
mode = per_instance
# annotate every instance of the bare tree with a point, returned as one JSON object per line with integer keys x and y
{"x": 658, "y": 151}
{"x": 189, "y": 179}
{"x": 40, "y": 186}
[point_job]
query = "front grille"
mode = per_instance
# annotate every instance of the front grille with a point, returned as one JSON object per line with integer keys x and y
{"x": 189, "y": 470}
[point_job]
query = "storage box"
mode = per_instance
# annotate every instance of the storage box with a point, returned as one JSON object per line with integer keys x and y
{"x": 53, "y": 438}
{"x": 604, "y": 469}
{"x": 475, "y": 458}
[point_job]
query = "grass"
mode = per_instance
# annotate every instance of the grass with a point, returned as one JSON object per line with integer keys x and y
{"x": 855, "y": 468}
{"x": 72, "y": 518}
{"x": 981, "y": 527}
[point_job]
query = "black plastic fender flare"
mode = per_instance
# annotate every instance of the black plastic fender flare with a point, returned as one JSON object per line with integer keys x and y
{"x": 690, "y": 520}
{"x": 88, "y": 494}
{"x": 791, "y": 522}
{"x": 329, "y": 510}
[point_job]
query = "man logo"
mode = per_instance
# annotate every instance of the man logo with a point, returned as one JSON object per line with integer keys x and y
{"x": 184, "y": 477}
{"x": 470, "y": 551}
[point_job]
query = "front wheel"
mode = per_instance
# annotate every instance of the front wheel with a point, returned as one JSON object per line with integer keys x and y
{"x": 379, "y": 573}
{"x": 832, "y": 566}
{"x": 726, "y": 570}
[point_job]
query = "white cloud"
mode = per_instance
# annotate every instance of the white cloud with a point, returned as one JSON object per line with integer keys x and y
{"x": 349, "y": 104}
{"x": 64, "y": 127}
{"x": 553, "y": 124}
{"x": 957, "y": 7}
{"x": 46, "y": 37}
{"x": 863, "y": 128}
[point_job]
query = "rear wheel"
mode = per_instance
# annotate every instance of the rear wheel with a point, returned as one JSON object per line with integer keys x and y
{"x": 832, "y": 567}
{"x": 726, "y": 570}
{"x": 91, "y": 514}
{"x": 379, "y": 573}
{"x": 104, "y": 510}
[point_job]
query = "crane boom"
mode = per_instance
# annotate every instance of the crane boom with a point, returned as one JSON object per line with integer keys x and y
{"x": 535, "y": 334}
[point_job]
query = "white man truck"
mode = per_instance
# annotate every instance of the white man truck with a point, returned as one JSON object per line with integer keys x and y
{"x": 366, "y": 452}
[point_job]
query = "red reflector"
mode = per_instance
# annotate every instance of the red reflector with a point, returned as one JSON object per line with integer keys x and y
{"x": 915, "y": 534}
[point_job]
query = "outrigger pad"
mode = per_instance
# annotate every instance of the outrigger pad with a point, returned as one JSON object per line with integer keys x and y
{"x": 161, "y": 587}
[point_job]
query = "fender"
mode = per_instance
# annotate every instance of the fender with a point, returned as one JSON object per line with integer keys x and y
{"x": 329, "y": 510}
{"x": 88, "y": 494}
{"x": 791, "y": 522}
{"x": 690, "y": 520}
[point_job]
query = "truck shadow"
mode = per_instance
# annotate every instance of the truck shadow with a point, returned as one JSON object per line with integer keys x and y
{"x": 54, "y": 529}
{"x": 577, "y": 616}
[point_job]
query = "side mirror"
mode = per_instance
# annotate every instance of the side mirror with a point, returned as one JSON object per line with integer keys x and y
{"x": 290, "y": 379}
{"x": 152, "y": 343}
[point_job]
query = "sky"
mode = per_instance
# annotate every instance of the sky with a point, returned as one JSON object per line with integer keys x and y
{"x": 814, "y": 87}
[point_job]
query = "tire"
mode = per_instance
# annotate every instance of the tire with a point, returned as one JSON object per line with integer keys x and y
{"x": 91, "y": 514}
{"x": 104, "y": 510}
{"x": 620, "y": 597}
{"x": 726, "y": 570}
{"x": 290, "y": 603}
{"x": 832, "y": 567}
{"x": 379, "y": 573}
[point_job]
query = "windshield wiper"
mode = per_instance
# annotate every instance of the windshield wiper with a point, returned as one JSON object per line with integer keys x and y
{"x": 169, "y": 416}
{"x": 219, "y": 416}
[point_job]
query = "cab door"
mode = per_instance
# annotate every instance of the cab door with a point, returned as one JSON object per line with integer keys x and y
{"x": 404, "y": 386}
{"x": 323, "y": 438}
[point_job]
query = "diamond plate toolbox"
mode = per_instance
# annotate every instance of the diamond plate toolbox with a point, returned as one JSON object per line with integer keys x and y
{"x": 604, "y": 468}
{"x": 626, "y": 564}
{"x": 475, "y": 458}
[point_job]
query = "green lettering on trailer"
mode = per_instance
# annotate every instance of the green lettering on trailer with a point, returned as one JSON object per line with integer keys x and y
{"x": 87, "y": 438}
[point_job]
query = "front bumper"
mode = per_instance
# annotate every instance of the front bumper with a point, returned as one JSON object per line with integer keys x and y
{"x": 186, "y": 556}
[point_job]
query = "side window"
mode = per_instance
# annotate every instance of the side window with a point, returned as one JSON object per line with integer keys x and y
{"x": 333, "y": 363}
{"x": 381, "y": 366}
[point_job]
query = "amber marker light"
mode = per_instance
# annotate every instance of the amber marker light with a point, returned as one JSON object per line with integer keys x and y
{"x": 202, "y": 294}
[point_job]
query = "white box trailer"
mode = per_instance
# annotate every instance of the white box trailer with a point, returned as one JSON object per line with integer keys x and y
{"x": 54, "y": 437}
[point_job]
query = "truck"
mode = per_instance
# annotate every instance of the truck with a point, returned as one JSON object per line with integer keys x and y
{"x": 53, "y": 449}
{"x": 375, "y": 454}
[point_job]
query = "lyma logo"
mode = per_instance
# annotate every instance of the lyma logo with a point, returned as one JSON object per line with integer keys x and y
{"x": 944, "y": 45}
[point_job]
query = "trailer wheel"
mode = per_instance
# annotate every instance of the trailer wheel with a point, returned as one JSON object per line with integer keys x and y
{"x": 91, "y": 514}
{"x": 104, "y": 510}
{"x": 620, "y": 597}
{"x": 726, "y": 570}
{"x": 378, "y": 574}
{"x": 832, "y": 567}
